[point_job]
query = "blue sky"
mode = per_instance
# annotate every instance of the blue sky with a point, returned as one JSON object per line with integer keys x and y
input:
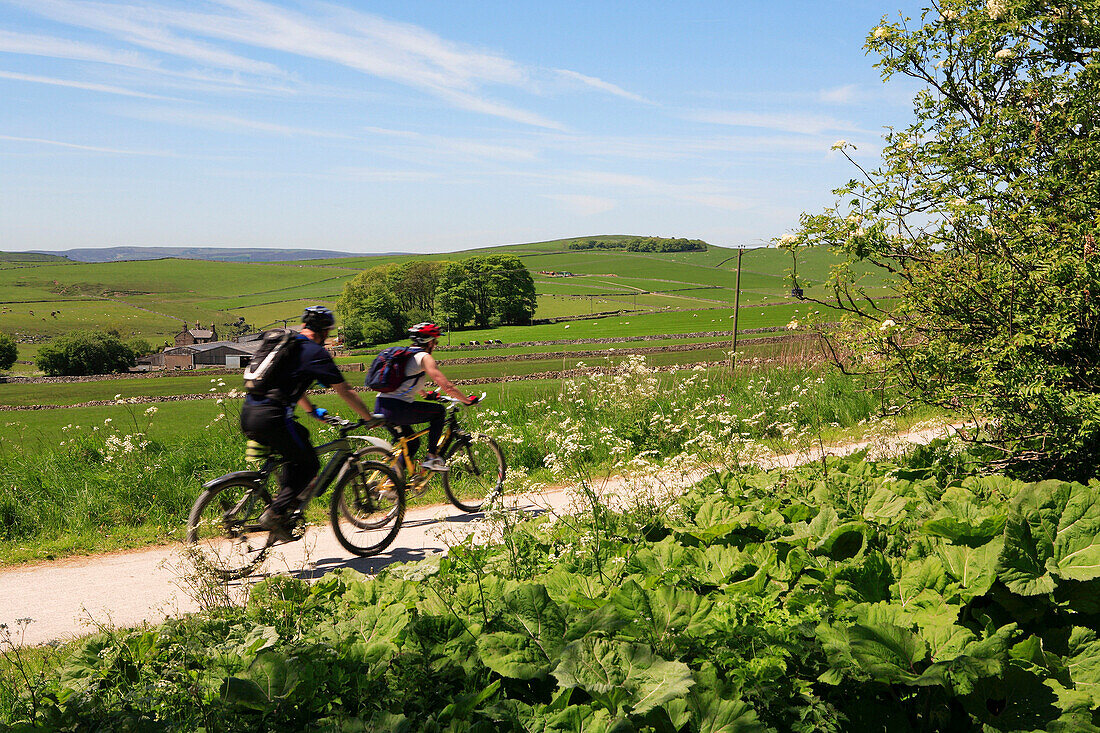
{"x": 428, "y": 126}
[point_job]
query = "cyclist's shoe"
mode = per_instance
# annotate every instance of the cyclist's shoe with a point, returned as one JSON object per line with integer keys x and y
{"x": 435, "y": 464}
{"x": 276, "y": 525}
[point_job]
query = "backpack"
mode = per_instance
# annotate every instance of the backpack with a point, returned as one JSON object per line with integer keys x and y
{"x": 276, "y": 346}
{"x": 387, "y": 371}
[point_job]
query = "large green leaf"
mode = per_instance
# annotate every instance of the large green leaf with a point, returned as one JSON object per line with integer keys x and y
{"x": 965, "y": 519}
{"x": 268, "y": 679}
{"x": 602, "y": 668}
{"x": 537, "y": 635}
{"x": 973, "y": 568}
{"x": 888, "y": 652}
{"x": 884, "y": 506}
{"x": 1083, "y": 662}
{"x": 1054, "y": 534}
{"x": 916, "y": 577}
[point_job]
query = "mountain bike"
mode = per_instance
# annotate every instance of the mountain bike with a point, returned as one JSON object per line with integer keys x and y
{"x": 366, "y": 509}
{"x": 476, "y": 463}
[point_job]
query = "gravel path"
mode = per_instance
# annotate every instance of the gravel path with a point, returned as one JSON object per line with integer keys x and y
{"x": 68, "y": 598}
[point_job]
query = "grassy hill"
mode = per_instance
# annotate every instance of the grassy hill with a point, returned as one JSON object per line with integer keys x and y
{"x": 45, "y": 296}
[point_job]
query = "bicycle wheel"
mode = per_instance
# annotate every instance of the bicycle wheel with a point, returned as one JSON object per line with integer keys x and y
{"x": 223, "y": 530}
{"x": 367, "y": 508}
{"x": 476, "y": 474}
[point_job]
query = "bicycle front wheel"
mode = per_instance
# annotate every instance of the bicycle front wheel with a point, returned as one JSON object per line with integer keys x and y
{"x": 476, "y": 474}
{"x": 367, "y": 508}
{"x": 223, "y": 530}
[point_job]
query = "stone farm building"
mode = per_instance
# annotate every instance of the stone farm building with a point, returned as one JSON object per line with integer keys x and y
{"x": 215, "y": 353}
{"x": 196, "y": 335}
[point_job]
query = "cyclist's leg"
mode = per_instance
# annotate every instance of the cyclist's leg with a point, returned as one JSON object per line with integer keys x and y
{"x": 404, "y": 414}
{"x": 269, "y": 424}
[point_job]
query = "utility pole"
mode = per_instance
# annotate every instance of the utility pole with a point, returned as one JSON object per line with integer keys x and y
{"x": 736, "y": 303}
{"x": 736, "y": 308}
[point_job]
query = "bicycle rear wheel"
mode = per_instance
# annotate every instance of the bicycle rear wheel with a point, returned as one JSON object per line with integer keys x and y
{"x": 476, "y": 474}
{"x": 367, "y": 508}
{"x": 223, "y": 529}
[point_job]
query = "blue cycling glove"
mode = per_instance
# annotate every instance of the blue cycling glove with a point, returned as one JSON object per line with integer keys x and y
{"x": 319, "y": 413}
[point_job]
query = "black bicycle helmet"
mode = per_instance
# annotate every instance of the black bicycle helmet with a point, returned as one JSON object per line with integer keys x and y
{"x": 318, "y": 318}
{"x": 422, "y": 333}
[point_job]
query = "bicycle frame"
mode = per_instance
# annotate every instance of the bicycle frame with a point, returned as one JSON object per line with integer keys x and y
{"x": 400, "y": 447}
{"x": 333, "y": 470}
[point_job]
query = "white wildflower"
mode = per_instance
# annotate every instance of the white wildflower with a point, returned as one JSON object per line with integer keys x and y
{"x": 841, "y": 145}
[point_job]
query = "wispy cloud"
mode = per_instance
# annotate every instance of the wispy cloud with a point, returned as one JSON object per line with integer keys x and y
{"x": 89, "y": 148}
{"x": 846, "y": 94}
{"x": 214, "y": 121}
{"x": 806, "y": 124}
{"x": 602, "y": 85}
{"x": 398, "y": 52}
{"x": 105, "y": 88}
{"x": 583, "y": 204}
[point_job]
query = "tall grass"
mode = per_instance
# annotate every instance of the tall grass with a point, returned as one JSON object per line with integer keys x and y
{"x": 111, "y": 485}
{"x": 108, "y": 485}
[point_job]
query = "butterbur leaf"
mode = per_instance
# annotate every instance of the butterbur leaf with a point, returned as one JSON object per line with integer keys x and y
{"x": 884, "y": 507}
{"x": 601, "y": 666}
{"x": 868, "y": 581}
{"x": 1077, "y": 544}
{"x": 927, "y": 574}
{"x": 1021, "y": 564}
{"x": 844, "y": 542}
{"x": 537, "y": 637}
{"x": 966, "y": 520}
{"x": 888, "y": 652}
{"x": 1083, "y": 662}
{"x": 585, "y": 719}
{"x": 269, "y": 678}
{"x": 512, "y": 655}
{"x": 973, "y": 568}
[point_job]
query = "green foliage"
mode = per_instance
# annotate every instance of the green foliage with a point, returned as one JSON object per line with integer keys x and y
{"x": 490, "y": 290}
{"x": 645, "y": 244}
{"x": 985, "y": 208}
{"x": 736, "y": 614}
{"x": 139, "y": 346}
{"x": 85, "y": 352}
{"x": 9, "y": 351}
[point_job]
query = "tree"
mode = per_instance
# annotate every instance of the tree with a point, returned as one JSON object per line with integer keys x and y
{"x": 140, "y": 346}
{"x": 9, "y": 352}
{"x": 369, "y": 312}
{"x": 84, "y": 352}
{"x": 454, "y": 299}
{"x": 984, "y": 212}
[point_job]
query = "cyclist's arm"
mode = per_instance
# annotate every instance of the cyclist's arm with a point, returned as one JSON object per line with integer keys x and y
{"x": 306, "y": 405}
{"x": 349, "y": 395}
{"x": 445, "y": 384}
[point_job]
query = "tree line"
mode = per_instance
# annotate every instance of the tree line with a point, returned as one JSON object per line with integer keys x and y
{"x": 645, "y": 244}
{"x": 379, "y": 304}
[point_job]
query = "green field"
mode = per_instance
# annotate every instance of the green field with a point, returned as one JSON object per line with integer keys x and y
{"x": 153, "y": 299}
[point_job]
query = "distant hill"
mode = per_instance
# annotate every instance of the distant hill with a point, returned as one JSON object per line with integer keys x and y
{"x": 220, "y": 254}
{"x": 30, "y": 257}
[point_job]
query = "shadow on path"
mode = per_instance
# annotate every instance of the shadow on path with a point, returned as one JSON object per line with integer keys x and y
{"x": 371, "y": 565}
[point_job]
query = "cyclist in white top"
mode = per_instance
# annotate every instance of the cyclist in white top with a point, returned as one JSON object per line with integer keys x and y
{"x": 401, "y": 408}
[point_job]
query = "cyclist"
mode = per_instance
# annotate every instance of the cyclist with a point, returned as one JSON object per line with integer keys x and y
{"x": 400, "y": 407}
{"x": 270, "y": 419}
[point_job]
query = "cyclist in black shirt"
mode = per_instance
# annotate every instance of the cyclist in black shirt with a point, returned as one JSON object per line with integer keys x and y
{"x": 270, "y": 420}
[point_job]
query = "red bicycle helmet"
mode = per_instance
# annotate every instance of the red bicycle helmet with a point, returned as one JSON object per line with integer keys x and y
{"x": 422, "y": 333}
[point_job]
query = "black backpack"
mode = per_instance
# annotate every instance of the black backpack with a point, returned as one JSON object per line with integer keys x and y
{"x": 276, "y": 347}
{"x": 387, "y": 371}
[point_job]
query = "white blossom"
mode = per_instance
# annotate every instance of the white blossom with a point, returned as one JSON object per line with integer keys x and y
{"x": 996, "y": 8}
